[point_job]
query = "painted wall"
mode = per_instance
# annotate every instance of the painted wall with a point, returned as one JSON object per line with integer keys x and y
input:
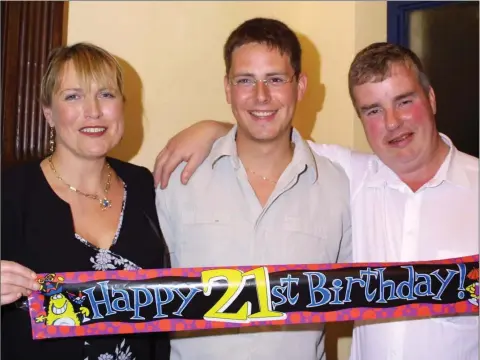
{"x": 172, "y": 56}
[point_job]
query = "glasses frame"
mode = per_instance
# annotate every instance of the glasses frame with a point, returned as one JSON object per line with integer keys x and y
{"x": 264, "y": 81}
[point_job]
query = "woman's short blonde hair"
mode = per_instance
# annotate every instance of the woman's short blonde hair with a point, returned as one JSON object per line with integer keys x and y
{"x": 92, "y": 64}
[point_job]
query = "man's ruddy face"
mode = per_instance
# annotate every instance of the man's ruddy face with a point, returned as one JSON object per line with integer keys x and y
{"x": 398, "y": 117}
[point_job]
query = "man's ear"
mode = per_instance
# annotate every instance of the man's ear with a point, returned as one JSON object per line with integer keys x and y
{"x": 432, "y": 100}
{"x": 301, "y": 86}
{"x": 228, "y": 89}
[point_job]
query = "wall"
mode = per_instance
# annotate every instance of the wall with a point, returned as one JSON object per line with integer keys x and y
{"x": 172, "y": 55}
{"x": 370, "y": 26}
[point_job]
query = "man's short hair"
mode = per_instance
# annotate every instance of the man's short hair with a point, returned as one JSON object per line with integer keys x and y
{"x": 374, "y": 64}
{"x": 273, "y": 33}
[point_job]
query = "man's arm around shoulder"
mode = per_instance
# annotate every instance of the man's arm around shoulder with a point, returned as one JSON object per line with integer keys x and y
{"x": 335, "y": 153}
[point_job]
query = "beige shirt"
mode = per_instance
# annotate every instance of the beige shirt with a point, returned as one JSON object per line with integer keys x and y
{"x": 217, "y": 220}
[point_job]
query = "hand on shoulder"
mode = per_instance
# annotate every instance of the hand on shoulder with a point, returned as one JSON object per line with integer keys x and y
{"x": 192, "y": 146}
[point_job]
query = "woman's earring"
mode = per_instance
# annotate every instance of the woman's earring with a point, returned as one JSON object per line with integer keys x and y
{"x": 51, "y": 140}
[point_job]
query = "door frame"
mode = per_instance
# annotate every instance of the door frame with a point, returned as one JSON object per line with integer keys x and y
{"x": 30, "y": 30}
{"x": 398, "y": 20}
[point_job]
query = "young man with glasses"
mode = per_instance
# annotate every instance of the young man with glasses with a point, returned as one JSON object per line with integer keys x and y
{"x": 414, "y": 199}
{"x": 250, "y": 202}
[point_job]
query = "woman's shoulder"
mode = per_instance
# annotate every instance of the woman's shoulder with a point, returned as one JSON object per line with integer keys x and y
{"x": 129, "y": 172}
{"x": 20, "y": 184}
{"x": 16, "y": 175}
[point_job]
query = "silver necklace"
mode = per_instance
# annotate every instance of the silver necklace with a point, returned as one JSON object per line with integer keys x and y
{"x": 261, "y": 176}
{"x": 292, "y": 146}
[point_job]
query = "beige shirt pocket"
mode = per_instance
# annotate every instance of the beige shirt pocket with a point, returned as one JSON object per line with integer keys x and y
{"x": 205, "y": 239}
{"x": 297, "y": 241}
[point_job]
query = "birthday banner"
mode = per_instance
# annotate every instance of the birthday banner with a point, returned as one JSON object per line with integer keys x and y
{"x": 115, "y": 302}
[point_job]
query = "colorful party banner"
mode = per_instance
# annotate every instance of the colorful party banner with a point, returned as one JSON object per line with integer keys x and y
{"x": 114, "y": 302}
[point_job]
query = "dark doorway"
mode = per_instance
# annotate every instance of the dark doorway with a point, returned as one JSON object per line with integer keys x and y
{"x": 445, "y": 37}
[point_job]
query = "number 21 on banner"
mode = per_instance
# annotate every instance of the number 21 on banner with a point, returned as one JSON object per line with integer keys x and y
{"x": 236, "y": 280}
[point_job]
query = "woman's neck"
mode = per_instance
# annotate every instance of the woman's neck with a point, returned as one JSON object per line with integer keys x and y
{"x": 87, "y": 175}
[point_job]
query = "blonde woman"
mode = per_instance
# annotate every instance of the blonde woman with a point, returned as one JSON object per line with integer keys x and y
{"x": 77, "y": 209}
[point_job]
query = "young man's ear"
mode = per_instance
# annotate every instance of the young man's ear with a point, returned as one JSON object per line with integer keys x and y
{"x": 301, "y": 86}
{"x": 228, "y": 89}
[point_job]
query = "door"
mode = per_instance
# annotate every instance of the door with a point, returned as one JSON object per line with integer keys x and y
{"x": 444, "y": 34}
{"x": 30, "y": 30}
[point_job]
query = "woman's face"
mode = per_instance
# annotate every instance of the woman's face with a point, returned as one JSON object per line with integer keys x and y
{"x": 88, "y": 119}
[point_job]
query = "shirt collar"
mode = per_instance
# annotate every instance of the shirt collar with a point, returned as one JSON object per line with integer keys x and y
{"x": 379, "y": 174}
{"x": 451, "y": 171}
{"x": 303, "y": 157}
{"x": 225, "y": 146}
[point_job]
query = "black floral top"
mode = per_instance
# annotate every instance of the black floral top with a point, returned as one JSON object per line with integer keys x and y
{"x": 37, "y": 232}
{"x": 105, "y": 259}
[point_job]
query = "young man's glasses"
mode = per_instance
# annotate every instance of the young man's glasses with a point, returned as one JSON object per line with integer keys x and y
{"x": 249, "y": 82}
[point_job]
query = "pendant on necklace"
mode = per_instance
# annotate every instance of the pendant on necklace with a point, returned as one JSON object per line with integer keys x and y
{"x": 105, "y": 203}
